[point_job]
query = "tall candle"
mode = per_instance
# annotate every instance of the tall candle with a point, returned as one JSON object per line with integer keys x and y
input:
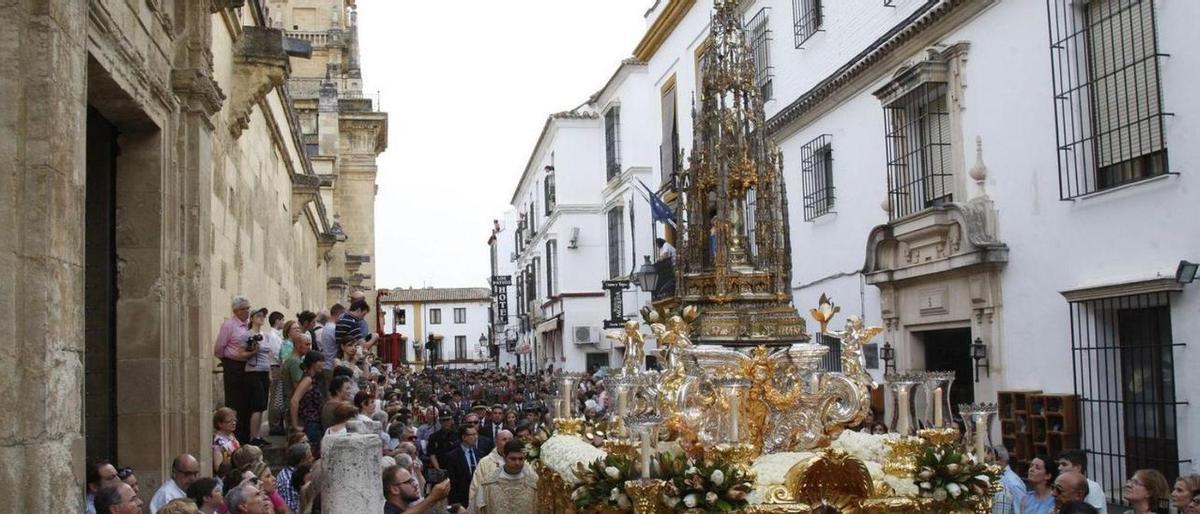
{"x": 980, "y": 436}
{"x": 902, "y": 403}
{"x": 937, "y": 407}
{"x": 734, "y": 427}
{"x": 646, "y": 454}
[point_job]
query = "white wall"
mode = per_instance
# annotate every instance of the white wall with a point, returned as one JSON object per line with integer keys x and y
{"x": 1054, "y": 245}
{"x": 476, "y": 324}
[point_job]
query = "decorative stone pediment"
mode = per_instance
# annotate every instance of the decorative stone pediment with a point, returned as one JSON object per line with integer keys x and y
{"x": 305, "y": 189}
{"x": 955, "y": 236}
{"x": 260, "y": 65}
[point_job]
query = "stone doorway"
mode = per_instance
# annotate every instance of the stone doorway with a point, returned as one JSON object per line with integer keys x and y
{"x": 950, "y": 350}
{"x": 100, "y": 289}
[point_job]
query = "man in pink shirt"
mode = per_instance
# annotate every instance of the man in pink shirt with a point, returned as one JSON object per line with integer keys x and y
{"x": 233, "y": 355}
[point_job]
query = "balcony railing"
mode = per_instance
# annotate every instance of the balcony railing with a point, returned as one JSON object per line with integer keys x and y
{"x": 317, "y": 37}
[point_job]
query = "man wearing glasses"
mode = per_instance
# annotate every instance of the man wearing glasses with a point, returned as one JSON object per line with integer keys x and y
{"x": 185, "y": 469}
{"x": 400, "y": 490}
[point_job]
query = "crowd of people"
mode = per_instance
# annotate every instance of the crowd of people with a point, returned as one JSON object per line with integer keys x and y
{"x": 1061, "y": 486}
{"x": 452, "y": 440}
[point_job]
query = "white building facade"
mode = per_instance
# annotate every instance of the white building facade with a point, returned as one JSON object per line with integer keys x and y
{"x": 1002, "y": 177}
{"x": 456, "y": 320}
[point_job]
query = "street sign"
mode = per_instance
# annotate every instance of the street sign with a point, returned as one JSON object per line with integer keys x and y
{"x": 500, "y": 285}
{"x": 616, "y": 302}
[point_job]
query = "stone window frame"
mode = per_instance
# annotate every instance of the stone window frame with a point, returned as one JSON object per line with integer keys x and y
{"x": 939, "y": 64}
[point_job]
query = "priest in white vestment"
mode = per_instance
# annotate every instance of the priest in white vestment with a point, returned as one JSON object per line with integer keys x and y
{"x": 511, "y": 488}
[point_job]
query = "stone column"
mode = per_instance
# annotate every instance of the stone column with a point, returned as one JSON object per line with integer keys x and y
{"x": 351, "y": 479}
{"x": 42, "y": 180}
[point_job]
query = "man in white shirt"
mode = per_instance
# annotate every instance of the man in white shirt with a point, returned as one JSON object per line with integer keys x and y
{"x": 1008, "y": 478}
{"x": 665, "y": 250}
{"x": 185, "y": 469}
{"x": 1076, "y": 460}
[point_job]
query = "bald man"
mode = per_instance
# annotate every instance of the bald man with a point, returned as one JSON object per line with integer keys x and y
{"x": 185, "y": 469}
{"x": 1069, "y": 487}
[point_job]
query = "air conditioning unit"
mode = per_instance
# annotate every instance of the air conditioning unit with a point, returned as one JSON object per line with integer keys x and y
{"x": 585, "y": 335}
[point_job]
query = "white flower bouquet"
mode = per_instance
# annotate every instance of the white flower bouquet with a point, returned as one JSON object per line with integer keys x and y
{"x": 562, "y": 452}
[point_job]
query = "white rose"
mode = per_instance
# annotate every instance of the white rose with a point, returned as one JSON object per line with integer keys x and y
{"x": 690, "y": 501}
{"x": 691, "y": 470}
{"x": 939, "y": 494}
{"x": 711, "y": 498}
{"x": 926, "y": 485}
{"x": 717, "y": 477}
{"x": 612, "y": 472}
{"x": 953, "y": 489}
{"x": 612, "y": 495}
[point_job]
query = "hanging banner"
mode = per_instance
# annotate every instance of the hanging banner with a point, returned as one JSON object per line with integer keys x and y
{"x": 500, "y": 285}
{"x": 616, "y": 302}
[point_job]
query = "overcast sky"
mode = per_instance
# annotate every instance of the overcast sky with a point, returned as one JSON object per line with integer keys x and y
{"x": 467, "y": 86}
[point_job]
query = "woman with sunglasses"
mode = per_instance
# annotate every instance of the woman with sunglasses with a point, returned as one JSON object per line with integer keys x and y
{"x": 126, "y": 475}
{"x": 266, "y": 484}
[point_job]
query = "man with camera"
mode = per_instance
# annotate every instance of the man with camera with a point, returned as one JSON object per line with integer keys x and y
{"x": 400, "y": 490}
{"x": 230, "y": 348}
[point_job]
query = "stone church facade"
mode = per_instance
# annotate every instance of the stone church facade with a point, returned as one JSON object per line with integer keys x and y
{"x": 160, "y": 157}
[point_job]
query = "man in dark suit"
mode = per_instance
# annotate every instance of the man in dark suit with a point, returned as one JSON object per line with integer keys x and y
{"x": 483, "y": 444}
{"x": 495, "y": 423}
{"x": 460, "y": 463}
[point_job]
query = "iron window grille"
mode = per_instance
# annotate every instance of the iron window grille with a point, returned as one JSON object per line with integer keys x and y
{"x": 616, "y": 229}
{"x": 551, "y": 267}
{"x": 759, "y": 30}
{"x": 460, "y": 315}
{"x": 816, "y": 176}
{"x": 612, "y": 141}
{"x": 1124, "y": 375}
{"x": 832, "y": 361}
{"x": 548, "y": 190}
{"x": 1107, "y": 94}
{"x": 460, "y": 347}
{"x": 435, "y": 316}
{"x": 521, "y": 301}
{"x": 920, "y": 173}
{"x": 531, "y": 286}
{"x": 807, "y": 17}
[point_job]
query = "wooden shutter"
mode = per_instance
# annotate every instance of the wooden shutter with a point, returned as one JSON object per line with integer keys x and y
{"x": 1126, "y": 106}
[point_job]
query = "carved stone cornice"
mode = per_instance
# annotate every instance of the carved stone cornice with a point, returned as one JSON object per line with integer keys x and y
{"x": 305, "y": 189}
{"x": 956, "y": 236}
{"x": 363, "y": 132}
{"x": 260, "y": 65}
{"x": 197, "y": 91}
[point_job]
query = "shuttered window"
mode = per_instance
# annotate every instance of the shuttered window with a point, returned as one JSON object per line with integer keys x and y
{"x": 920, "y": 172}
{"x": 612, "y": 141}
{"x": 759, "y": 32}
{"x": 1107, "y": 99}
{"x": 669, "y": 148}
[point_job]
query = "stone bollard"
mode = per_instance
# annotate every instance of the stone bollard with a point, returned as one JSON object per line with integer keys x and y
{"x": 352, "y": 481}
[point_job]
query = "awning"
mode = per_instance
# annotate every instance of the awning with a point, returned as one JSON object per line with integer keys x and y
{"x": 549, "y": 325}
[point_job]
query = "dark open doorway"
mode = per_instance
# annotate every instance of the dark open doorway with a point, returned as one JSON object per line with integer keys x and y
{"x": 950, "y": 350}
{"x": 100, "y": 290}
